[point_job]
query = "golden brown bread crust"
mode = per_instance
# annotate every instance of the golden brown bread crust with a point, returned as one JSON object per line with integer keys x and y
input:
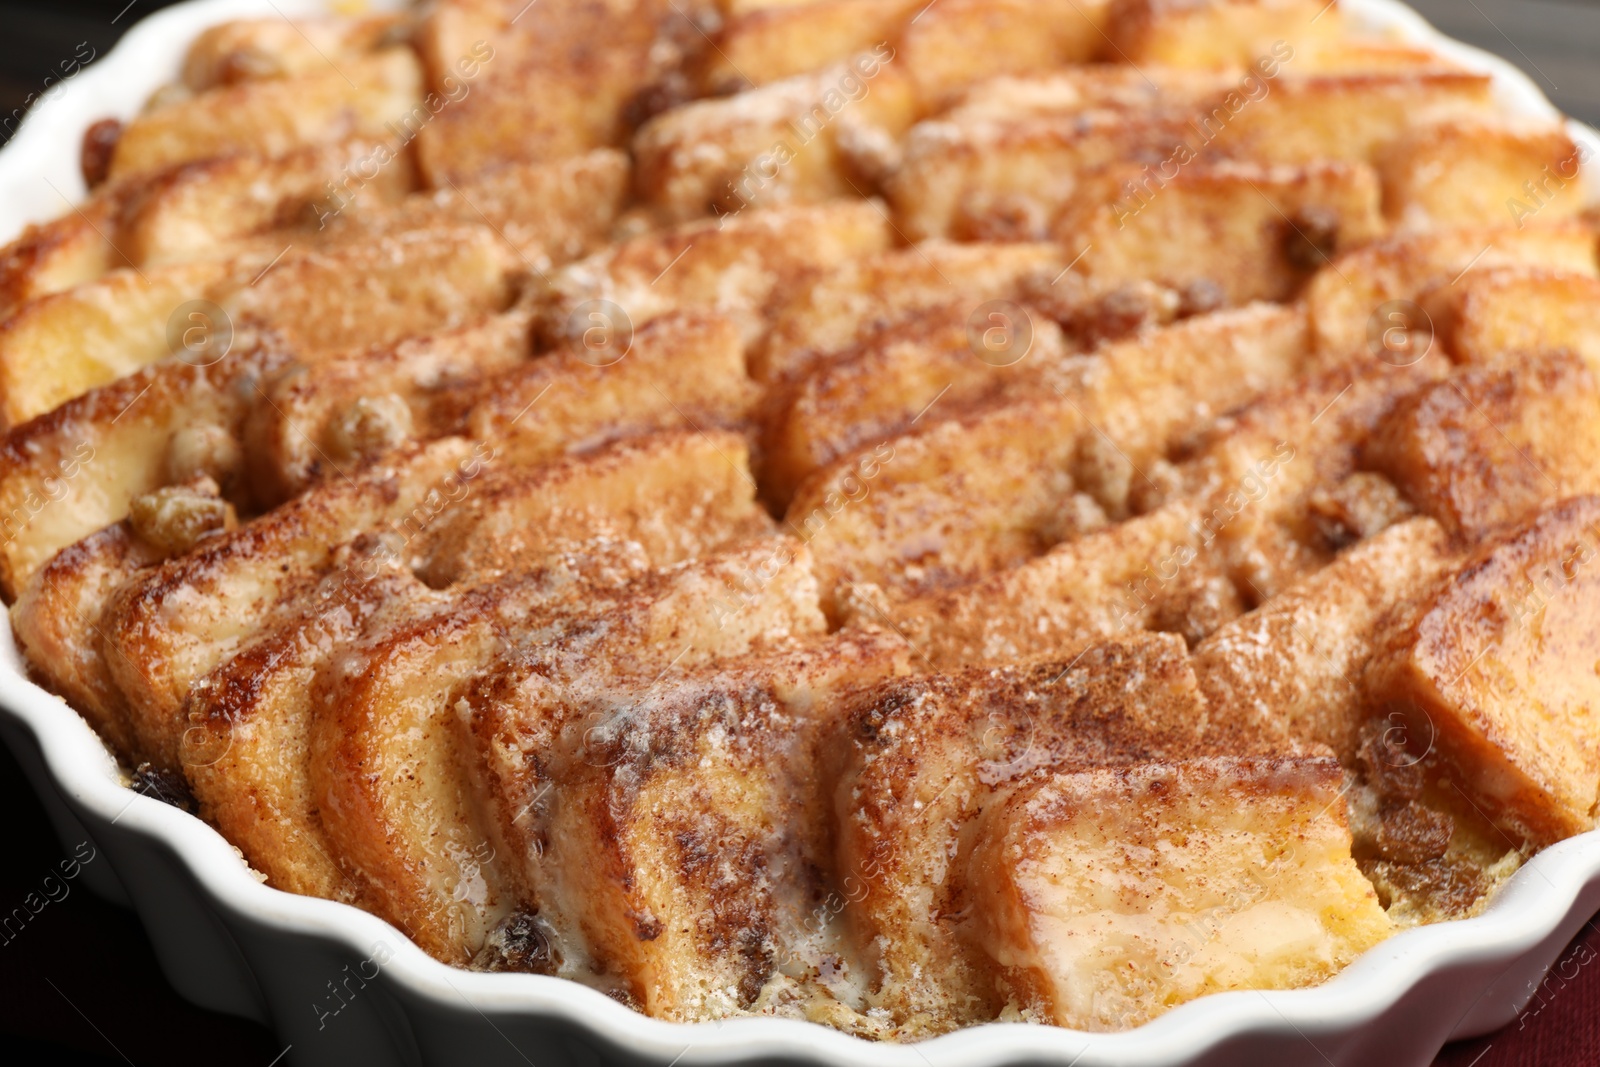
{"x": 274, "y": 116}
{"x": 540, "y": 83}
{"x": 245, "y": 724}
{"x": 925, "y": 757}
{"x": 520, "y": 514}
{"x": 949, "y": 501}
{"x": 1259, "y": 473}
{"x": 308, "y": 422}
{"x": 567, "y": 729}
{"x": 684, "y": 370}
{"x": 1218, "y": 36}
{"x": 1343, "y": 299}
{"x": 1496, "y": 663}
{"x": 1154, "y": 572}
{"x": 56, "y": 622}
{"x": 1514, "y": 312}
{"x": 1104, "y": 895}
{"x": 694, "y": 838}
{"x": 103, "y": 330}
{"x": 72, "y": 471}
{"x": 172, "y": 624}
{"x": 829, "y": 310}
{"x": 1292, "y": 665}
{"x": 769, "y": 43}
{"x": 879, "y": 387}
{"x": 256, "y": 49}
{"x": 1490, "y": 446}
{"x": 385, "y": 759}
{"x": 1475, "y": 173}
{"x": 1022, "y": 151}
{"x": 195, "y": 210}
{"x": 1242, "y": 215}
{"x": 547, "y": 212}
{"x": 731, "y": 265}
{"x": 738, "y": 504}
{"x": 692, "y": 160}
{"x": 1147, "y": 394}
{"x": 971, "y": 40}
{"x": 414, "y": 281}
{"x": 56, "y": 255}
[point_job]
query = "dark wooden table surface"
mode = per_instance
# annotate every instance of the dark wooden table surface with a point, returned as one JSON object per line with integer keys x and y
{"x": 80, "y": 983}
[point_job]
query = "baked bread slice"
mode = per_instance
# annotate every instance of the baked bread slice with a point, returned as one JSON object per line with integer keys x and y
{"x": 894, "y": 515}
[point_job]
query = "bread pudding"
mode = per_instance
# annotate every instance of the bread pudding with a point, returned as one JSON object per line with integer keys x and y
{"x": 901, "y": 515}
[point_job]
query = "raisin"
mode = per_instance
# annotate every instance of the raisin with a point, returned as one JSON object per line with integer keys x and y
{"x": 1313, "y": 237}
{"x": 168, "y": 787}
{"x": 1411, "y": 833}
{"x": 1201, "y": 297}
{"x": 1392, "y": 768}
{"x": 520, "y": 942}
{"x": 99, "y": 143}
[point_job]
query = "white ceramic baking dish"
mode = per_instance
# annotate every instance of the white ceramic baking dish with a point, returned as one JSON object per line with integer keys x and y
{"x": 340, "y": 986}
